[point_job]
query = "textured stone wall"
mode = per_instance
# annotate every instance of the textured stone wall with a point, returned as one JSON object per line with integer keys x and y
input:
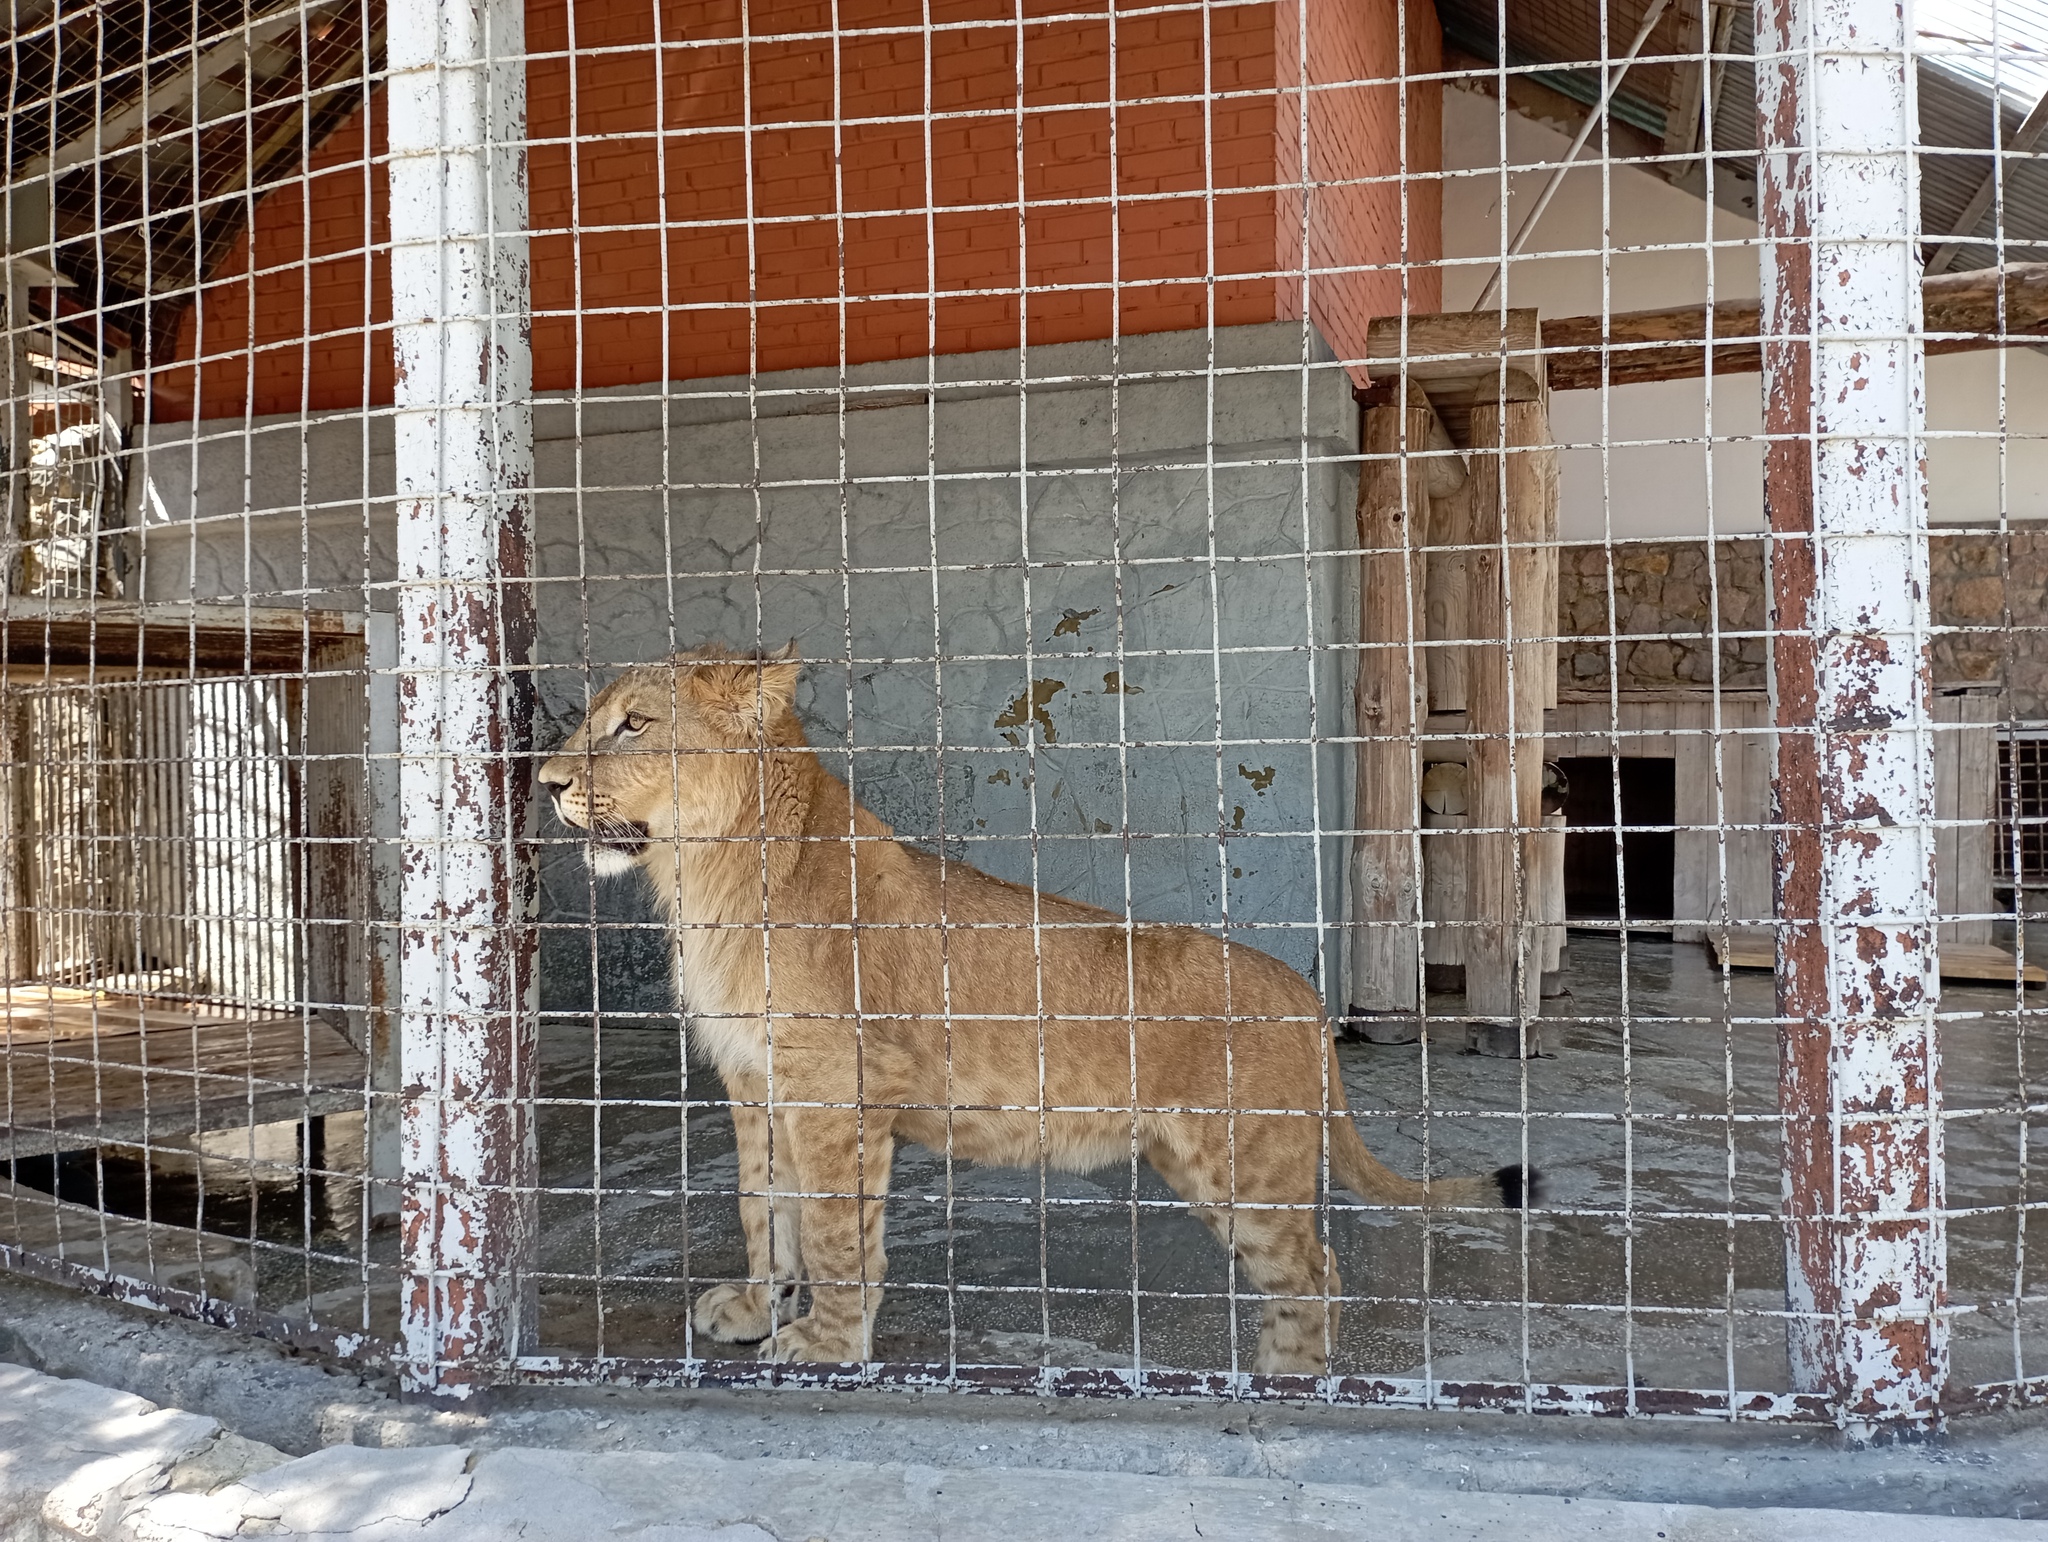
{"x": 1976, "y": 579}
{"x": 1665, "y": 594}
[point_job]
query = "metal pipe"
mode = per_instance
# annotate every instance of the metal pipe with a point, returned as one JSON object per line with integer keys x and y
{"x": 1528, "y": 226}
{"x": 463, "y": 440}
{"x": 1853, "y": 787}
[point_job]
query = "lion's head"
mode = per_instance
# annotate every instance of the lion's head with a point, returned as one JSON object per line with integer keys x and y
{"x": 672, "y": 750}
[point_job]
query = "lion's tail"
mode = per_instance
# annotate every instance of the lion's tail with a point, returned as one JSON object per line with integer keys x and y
{"x": 1357, "y": 1169}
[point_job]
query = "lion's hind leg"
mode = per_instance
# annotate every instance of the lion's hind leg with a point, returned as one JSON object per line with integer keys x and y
{"x": 1261, "y": 1213}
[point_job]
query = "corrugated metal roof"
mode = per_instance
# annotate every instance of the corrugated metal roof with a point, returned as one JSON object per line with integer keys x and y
{"x": 137, "y": 218}
{"x": 2003, "y": 43}
{"x": 1957, "y": 111}
{"x": 1974, "y": 54}
{"x": 1546, "y": 34}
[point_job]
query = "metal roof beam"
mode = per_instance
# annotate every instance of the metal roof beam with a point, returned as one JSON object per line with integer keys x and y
{"x": 109, "y": 132}
{"x": 2024, "y": 138}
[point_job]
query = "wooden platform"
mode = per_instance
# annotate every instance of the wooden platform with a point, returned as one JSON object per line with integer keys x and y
{"x": 84, "y": 1068}
{"x": 1961, "y": 962}
{"x": 123, "y": 639}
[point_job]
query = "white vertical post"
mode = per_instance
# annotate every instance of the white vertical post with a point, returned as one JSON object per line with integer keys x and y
{"x": 1846, "y": 497}
{"x": 463, "y": 438}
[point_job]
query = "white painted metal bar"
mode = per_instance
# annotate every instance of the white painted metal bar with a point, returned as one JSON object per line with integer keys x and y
{"x": 464, "y": 451}
{"x": 1846, "y": 499}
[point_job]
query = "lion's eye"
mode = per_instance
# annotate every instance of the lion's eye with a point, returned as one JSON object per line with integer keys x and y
{"x": 634, "y": 723}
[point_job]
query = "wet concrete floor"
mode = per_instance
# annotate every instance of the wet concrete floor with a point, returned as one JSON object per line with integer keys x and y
{"x": 1655, "y": 1256}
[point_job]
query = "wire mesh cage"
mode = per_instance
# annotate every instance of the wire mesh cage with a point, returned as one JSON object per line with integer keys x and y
{"x": 1236, "y": 696}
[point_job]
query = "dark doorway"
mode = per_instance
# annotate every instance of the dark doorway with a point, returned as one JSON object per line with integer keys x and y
{"x": 1649, "y": 796}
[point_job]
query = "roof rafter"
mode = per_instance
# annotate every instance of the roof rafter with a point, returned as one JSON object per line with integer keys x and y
{"x": 110, "y": 133}
{"x": 2024, "y": 138}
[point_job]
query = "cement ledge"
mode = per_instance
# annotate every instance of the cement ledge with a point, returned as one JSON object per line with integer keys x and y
{"x": 79, "y": 1460}
{"x": 253, "y": 1404}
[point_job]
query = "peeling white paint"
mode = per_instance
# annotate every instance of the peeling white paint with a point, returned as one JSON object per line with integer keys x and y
{"x": 463, "y": 449}
{"x": 1840, "y": 201}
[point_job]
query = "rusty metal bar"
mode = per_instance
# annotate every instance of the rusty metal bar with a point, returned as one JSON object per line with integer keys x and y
{"x": 1853, "y": 783}
{"x": 464, "y": 451}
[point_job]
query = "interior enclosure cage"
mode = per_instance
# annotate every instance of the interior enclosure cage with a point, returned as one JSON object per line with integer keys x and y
{"x": 1468, "y": 574}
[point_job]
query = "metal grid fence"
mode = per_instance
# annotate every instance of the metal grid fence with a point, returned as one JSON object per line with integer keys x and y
{"x": 1404, "y": 767}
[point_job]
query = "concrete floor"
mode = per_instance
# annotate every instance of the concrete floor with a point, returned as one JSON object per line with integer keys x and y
{"x": 1656, "y": 1257}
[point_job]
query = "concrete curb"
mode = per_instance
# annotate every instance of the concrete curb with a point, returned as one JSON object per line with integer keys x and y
{"x": 78, "y": 1460}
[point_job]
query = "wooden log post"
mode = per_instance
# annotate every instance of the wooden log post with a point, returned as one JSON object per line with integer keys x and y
{"x": 1449, "y": 592}
{"x": 1385, "y": 889}
{"x": 1511, "y": 669}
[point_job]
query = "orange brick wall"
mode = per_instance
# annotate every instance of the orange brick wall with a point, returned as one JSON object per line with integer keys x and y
{"x": 309, "y": 348}
{"x": 1359, "y": 248}
{"x": 624, "y": 215}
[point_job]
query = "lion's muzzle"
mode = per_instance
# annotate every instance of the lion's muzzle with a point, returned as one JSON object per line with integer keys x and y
{"x": 614, "y": 842}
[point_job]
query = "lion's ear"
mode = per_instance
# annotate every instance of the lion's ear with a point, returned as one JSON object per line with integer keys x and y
{"x": 750, "y": 694}
{"x": 779, "y": 675}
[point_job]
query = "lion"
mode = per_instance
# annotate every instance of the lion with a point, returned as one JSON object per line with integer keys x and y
{"x": 869, "y": 993}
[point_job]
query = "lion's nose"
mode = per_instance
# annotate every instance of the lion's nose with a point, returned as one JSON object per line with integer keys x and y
{"x": 556, "y": 775}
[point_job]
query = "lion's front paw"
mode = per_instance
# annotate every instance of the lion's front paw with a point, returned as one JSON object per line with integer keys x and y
{"x": 742, "y": 1314}
{"x": 807, "y": 1340}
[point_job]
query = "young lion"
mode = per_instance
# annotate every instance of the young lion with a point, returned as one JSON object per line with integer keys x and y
{"x": 878, "y": 997}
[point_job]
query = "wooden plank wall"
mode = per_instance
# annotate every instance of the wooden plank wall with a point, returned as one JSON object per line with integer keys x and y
{"x": 1722, "y": 778}
{"x": 337, "y": 849}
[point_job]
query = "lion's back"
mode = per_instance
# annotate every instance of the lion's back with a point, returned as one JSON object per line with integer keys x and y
{"x": 1031, "y": 958}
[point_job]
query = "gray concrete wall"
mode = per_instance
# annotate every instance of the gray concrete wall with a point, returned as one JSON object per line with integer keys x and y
{"x": 1140, "y": 632}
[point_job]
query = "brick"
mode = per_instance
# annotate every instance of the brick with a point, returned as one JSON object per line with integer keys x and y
{"x": 336, "y": 212}
{"x": 973, "y": 68}
{"x": 1066, "y": 62}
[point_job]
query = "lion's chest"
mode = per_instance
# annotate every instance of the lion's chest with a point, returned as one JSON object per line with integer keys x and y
{"x": 718, "y": 978}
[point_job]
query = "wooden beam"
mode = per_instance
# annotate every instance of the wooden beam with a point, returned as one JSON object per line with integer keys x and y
{"x": 1696, "y": 79}
{"x": 179, "y": 92}
{"x": 1463, "y": 355}
{"x": 1669, "y": 344}
{"x": 118, "y": 637}
{"x": 1386, "y": 887}
{"x": 1512, "y": 485}
{"x": 1461, "y": 358}
{"x": 1687, "y": 79}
